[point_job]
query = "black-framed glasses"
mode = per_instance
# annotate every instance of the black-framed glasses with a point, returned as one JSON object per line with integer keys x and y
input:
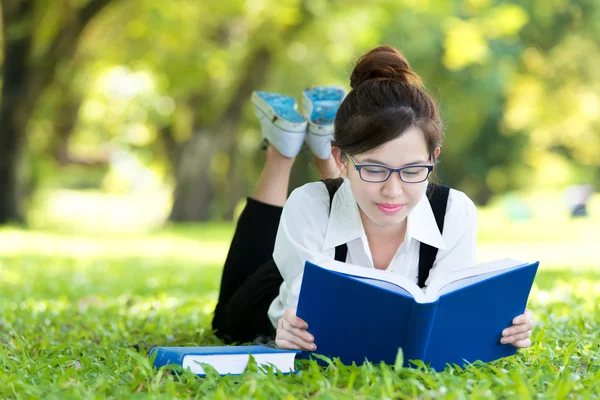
{"x": 380, "y": 173}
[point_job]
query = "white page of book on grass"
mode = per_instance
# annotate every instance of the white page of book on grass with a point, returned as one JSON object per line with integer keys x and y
{"x": 236, "y": 364}
{"x": 440, "y": 283}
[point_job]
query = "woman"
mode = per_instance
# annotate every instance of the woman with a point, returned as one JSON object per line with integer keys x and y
{"x": 382, "y": 214}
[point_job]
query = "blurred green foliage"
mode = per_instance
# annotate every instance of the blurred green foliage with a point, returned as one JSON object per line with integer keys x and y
{"x": 517, "y": 84}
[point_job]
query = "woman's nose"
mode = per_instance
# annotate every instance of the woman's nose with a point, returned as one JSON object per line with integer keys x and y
{"x": 394, "y": 186}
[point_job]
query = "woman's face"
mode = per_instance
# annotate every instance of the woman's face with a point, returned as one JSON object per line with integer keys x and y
{"x": 388, "y": 203}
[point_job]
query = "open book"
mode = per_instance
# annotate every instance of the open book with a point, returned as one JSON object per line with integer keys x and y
{"x": 358, "y": 313}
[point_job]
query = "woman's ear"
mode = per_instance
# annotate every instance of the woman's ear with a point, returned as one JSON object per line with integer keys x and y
{"x": 436, "y": 153}
{"x": 339, "y": 158}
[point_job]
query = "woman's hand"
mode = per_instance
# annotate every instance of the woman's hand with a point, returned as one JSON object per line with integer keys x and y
{"x": 292, "y": 333}
{"x": 518, "y": 334}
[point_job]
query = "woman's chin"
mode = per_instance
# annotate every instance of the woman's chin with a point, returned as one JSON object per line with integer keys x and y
{"x": 387, "y": 220}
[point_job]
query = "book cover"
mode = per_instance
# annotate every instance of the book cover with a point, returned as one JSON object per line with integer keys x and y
{"x": 355, "y": 320}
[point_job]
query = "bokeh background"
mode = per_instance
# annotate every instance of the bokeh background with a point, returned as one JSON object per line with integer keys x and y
{"x": 121, "y": 116}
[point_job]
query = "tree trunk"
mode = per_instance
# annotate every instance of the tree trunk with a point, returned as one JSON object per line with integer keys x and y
{"x": 194, "y": 194}
{"x": 11, "y": 153}
{"x": 194, "y": 191}
{"x": 24, "y": 80}
{"x": 14, "y": 113}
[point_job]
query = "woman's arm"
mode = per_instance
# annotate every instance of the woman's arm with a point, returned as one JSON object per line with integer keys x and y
{"x": 300, "y": 238}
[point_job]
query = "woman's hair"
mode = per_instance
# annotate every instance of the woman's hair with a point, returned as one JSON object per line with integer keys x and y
{"x": 386, "y": 99}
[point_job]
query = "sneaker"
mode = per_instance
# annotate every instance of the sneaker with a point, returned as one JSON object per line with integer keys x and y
{"x": 281, "y": 123}
{"x": 320, "y": 104}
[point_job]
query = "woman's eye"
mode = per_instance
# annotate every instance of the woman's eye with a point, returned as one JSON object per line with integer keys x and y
{"x": 414, "y": 171}
{"x": 375, "y": 171}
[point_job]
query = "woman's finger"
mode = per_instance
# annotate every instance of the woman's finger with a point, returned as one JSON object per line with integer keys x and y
{"x": 516, "y": 338}
{"x": 290, "y": 316}
{"x": 285, "y": 345}
{"x": 301, "y": 333}
{"x": 516, "y": 329}
{"x": 527, "y": 317}
{"x": 522, "y": 344}
{"x": 290, "y": 337}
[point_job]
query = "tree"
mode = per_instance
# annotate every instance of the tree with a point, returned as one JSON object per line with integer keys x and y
{"x": 36, "y": 39}
{"x": 211, "y": 67}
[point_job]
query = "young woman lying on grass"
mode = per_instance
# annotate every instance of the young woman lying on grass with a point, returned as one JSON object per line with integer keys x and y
{"x": 382, "y": 141}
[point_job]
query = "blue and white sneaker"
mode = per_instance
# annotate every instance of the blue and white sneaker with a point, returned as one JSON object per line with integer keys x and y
{"x": 320, "y": 104}
{"x": 281, "y": 123}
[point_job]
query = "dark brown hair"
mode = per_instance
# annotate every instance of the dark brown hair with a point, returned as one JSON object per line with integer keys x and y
{"x": 386, "y": 99}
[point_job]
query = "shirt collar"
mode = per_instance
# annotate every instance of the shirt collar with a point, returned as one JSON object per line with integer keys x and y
{"x": 345, "y": 224}
{"x": 421, "y": 225}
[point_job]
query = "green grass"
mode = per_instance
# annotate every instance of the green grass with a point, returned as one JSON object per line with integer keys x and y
{"x": 72, "y": 308}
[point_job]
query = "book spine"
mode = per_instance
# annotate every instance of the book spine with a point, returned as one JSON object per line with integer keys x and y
{"x": 430, "y": 328}
{"x": 164, "y": 357}
{"x": 418, "y": 331}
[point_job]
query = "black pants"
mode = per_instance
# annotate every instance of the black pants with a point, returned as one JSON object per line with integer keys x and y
{"x": 250, "y": 278}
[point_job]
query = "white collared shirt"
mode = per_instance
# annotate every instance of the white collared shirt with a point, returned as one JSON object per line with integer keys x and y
{"x": 309, "y": 232}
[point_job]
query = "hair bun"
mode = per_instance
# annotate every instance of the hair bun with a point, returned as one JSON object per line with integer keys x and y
{"x": 383, "y": 62}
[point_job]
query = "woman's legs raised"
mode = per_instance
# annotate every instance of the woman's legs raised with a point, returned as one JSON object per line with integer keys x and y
{"x": 254, "y": 238}
{"x": 273, "y": 184}
{"x": 250, "y": 278}
{"x": 274, "y": 181}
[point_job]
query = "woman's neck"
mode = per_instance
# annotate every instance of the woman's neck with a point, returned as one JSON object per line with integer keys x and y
{"x": 384, "y": 241}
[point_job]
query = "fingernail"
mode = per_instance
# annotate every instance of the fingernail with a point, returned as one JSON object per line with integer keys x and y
{"x": 504, "y": 332}
{"x": 313, "y": 347}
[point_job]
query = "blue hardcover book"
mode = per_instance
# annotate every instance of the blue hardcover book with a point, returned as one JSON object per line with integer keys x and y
{"x": 224, "y": 359}
{"x": 360, "y": 314}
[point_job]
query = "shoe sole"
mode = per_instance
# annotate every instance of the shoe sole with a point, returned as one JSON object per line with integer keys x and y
{"x": 321, "y": 103}
{"x": 280, "y": 109}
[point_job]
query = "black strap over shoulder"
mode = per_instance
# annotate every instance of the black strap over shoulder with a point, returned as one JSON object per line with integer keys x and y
{"x": 332, "y": 185}
{"x": 438, "y": 198}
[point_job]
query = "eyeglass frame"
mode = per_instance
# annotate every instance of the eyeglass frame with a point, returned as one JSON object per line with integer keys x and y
{"x": 358, "y": 167}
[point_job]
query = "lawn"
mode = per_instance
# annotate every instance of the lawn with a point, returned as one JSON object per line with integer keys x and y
{"x": 74, "y": 307}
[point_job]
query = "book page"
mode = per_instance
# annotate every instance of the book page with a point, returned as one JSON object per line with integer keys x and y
{"x": 384, "y": 285}
{"x": 383, "y": 279}
{"x": 236, "y": 363}
{"x": 464, "y": 277}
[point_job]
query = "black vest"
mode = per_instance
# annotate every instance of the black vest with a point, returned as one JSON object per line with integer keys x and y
{"x": 438, "y": 198}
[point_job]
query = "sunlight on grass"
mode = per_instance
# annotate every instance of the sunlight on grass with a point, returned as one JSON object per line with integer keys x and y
{"x": 79, "y": 310}
{"x": 538, "y": 217}
{"x": 93, "y": 211}
{"x": 14, "y": 242}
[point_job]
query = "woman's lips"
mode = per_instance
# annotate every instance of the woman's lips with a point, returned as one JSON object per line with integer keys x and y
{"x": 390, "y": 208}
